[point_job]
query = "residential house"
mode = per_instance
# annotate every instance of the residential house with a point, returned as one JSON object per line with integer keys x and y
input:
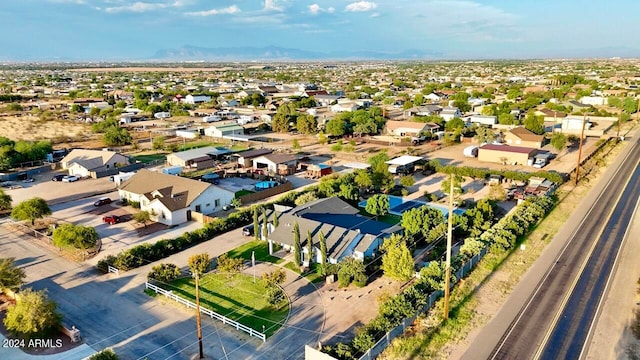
{"x": 578, "y": 106}
{"x": 450, "y": 112}
{"x": 551, "y": 115}
{"x": 224, "y": 129}
{"x": 346, "y": 232}
{"x": 268, "y": 90}
{"x": 282, "y": 164}
{"x": 488, "y": 120}
{"x": 245, "y": 158}
{"x": 425, "y": 110}
{"x": 172, "y": 199}
{"x": 200, "y": 158}
{"x": 345, "y": 106}
{"x": 435, "y": 97}
{"x": 506, "y": 155}
{"x": 406, "y": 128}
{"x": 593, "y": 100}
{"x": 83, "y": 162}
{"x": 326, "y": 100}
{"x": 196, "y": 99}
{"x": 519, "y": 136}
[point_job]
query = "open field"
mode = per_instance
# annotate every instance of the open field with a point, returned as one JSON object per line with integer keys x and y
{"x": 32, "y": 128}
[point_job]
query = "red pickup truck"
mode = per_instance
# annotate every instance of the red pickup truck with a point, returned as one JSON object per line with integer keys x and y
{"x": 111, "y": 219}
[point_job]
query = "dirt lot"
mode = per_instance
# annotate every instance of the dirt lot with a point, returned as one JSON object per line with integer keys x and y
{"x": 32, "y": 128}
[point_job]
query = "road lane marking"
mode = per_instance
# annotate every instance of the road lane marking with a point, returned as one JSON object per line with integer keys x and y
{"x": 556, "y": 317}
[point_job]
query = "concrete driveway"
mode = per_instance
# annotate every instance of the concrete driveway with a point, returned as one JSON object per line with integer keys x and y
{"x": 55, "y": 192}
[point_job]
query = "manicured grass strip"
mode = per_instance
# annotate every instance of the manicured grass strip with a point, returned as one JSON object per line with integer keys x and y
{"x": 149, "y": 157}
{"x": 261, "y": 249}
{"x": 243, "y": 192}
{"x": 236, "y": 297}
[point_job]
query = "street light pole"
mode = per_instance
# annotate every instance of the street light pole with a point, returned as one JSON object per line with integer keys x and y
{"x": 198, "y": 323}
{"x": 584, "y": 119}
{"x": 449, "y": 240}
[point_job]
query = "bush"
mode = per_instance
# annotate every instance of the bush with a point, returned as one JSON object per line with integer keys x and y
{"x": 164, "y": 273}
{"x": 106, "y": 354}
{"x": 75, "y": 236}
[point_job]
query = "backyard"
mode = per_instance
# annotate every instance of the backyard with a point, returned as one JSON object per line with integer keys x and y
{"x": 239, "y": 297}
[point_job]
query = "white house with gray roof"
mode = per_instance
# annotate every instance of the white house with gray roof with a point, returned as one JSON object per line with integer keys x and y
{"x": 190, "y": 158}
{"x": 171, "y": 199}
{"x": 81, "y": 162}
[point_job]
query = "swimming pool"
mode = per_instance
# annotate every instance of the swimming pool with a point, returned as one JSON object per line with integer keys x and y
{"x": 398, "y": 205}
{"x": 265, "y": 185}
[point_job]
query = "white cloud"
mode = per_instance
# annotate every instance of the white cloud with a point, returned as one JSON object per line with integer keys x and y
{"x": 361, "y": 6}
{"x": 228, "y": 10}
{"x": 271, "y": 5}
{"x": 316, "y": 9}
{"x": 140, "y": 7}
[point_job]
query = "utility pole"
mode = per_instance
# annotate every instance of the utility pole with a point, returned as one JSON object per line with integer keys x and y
{"x": 198, "y": 324}
{"x": 584, "y": 119}
{"x": 449, "y": 240}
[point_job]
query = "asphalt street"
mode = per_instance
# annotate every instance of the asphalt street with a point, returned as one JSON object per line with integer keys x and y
{"x": 521, "y": 323}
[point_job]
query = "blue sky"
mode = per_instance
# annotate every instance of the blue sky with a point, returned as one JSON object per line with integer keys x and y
{"x": 136, "y": 29}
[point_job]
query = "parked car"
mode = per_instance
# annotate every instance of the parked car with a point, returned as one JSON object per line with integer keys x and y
{"x": 57, "y": 178}
{"x": 28, "y": 180}
{"x": 247, "y": 230}
{"x": 102, "y": 201}
{"x": 111, "y": 219}
{"x": 70, "y": 178}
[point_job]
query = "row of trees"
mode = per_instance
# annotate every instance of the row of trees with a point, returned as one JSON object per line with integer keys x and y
{"x": 13, "y": 153}
{"x": 498, "y": 238}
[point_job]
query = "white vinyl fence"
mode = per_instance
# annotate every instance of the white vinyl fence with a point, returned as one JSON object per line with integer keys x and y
{"x": 225, "y": 320}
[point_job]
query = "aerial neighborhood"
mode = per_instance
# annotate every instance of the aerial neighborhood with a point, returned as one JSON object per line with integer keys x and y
{"x": 336, "y": 210}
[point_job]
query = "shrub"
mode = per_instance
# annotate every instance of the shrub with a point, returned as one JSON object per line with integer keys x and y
{"x": 164, "y": 273}
{"x": 229, "y": 265}
{"x": 106, "y": 354}
{"x": 200, "y": 263}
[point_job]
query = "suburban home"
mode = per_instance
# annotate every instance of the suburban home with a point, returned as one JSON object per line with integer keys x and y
{"x": 224, "y": 129}
{"x": 326, "y": 100}
{"x": 196, "y": 99}
{"x": 488, "y": 120}
{"x": 577, "y": 106}
{"x": 574, "y": 125}
{"x": 200, "y": 158}
{"x": 594, "y": 100}
{"x": 346, "y": 232}
{"x": 435, "y": 97}
{"x": 506, "y": 155}
{"x": 426, "y": 110}
{"x": 344, "y": 107}
{"x": 406, "y": 128}
{"x": 171, "y": 199}
{"x": 450, "y": 112}
{"x": 551, "y": 115}
{"x": 82, "y": 162}
{"x": 282, "y": 164}
{"x": 520, "y": 136}
{"x": 245, "y": 158}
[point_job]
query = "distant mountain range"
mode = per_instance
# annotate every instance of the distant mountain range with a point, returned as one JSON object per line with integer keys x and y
{"x": 274, "y": 53}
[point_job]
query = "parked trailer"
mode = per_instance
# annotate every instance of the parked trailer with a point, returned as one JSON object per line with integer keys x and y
{"x": 172, "y": 170}
{"x": 470, "y": 151}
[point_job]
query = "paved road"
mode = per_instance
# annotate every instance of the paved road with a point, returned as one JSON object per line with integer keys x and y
{"x": 528, "y": 333}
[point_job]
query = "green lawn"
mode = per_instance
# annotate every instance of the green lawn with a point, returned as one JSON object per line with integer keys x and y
{"x": 311, "y": 275}
{"x": 389, "y": 218}
{"x": 147, "y": 158}
{"x": 243, "y": 192}
{"x": 236, "y": 297}
{"x": 261, "y": 249}
{"x": 202, "y": 143}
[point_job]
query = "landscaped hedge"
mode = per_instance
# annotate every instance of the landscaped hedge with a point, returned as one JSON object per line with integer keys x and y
{"x": 143, "y": 254}
{"x": 500, "y": 237}
{"x": 481, "y": 173}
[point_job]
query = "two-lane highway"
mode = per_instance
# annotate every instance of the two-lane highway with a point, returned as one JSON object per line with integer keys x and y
{"x": 555, "y": 322}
